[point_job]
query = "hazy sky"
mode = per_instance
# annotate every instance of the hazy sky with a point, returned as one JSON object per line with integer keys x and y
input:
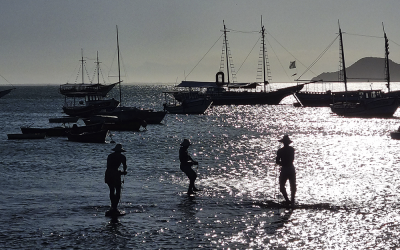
{"x": 161, "y": 41}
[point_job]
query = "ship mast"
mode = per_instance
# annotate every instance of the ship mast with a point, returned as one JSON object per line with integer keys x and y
{"x": 263, "y": 52}
{"x": 387, "y": 59}
{"x": 98, "y": 68}
{"x": 343, "y": 61}
{"x": 119, "y": 71}
{"x": 226, "y": 51}
{"x": 82, "y": 61}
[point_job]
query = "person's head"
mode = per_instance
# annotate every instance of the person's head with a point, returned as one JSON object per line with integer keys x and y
{"x": 118, "y": 148}
{"x": 285, "y": 140}
{"x": 186, "y": 143}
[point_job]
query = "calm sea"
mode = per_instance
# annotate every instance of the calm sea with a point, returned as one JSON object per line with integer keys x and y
{"x": 53, "y": 194}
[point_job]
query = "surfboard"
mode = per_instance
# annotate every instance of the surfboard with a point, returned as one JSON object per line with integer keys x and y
{"x": 316, "y": 206}
{"x": 113, "y": 213}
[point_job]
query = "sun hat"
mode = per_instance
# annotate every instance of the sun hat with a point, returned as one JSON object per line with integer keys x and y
{"x": 285, "y": 139}
{"x": 186, "y": 143}
{"x": 118, "y": 148}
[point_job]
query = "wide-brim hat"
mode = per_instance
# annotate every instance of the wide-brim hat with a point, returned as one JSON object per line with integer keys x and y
{"x": 285, "y": 139}
{"x": 186, "y": 143}
{"x": 118, "y": 148}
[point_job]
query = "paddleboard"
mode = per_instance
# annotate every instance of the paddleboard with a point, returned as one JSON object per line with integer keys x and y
{"x": 113, "y": 213}
{"x": 317, "y": 206}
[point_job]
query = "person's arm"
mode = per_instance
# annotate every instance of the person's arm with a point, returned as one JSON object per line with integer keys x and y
{"x": 278, "y": 159}
{"x": 124, "y": 164}
{"x": 193, "y": 161}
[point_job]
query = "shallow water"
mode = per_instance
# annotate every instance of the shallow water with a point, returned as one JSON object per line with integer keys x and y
{"x": 54, "y": 195}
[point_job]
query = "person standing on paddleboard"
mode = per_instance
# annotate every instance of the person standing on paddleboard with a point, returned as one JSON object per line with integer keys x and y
{"x": 284, "y": 158}
{"x": 186, "y": 165}
{"x": 113, "y": 175}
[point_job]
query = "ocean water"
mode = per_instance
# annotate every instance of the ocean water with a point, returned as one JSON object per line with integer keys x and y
{"x": 53, "y": 194}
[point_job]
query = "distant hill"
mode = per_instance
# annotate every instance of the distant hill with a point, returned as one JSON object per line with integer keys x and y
{"x": 366, "y": 69}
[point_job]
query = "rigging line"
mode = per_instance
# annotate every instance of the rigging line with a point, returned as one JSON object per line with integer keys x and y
{"x": 248, "y": 54}
{"x": 352, "y": 34}
{"x": 319, "y": 57}
{"x": 277, "y": 57}
{"x": 287, "y": 50}
{"x": 239, "y": 31}
{"x": 394, "y": 42}
{"x": 6, "y": 80}
{"x": 204, "y": 55}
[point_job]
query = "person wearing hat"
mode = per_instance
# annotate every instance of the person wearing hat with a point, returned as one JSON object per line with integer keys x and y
{"x": 284, "y": 158}
{"x": 186, "y": 165}
{"x": 113, "y": 175}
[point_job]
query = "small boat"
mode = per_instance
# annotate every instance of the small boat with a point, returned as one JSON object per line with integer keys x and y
{"x": 188, "y": 105}
{"x": 62, "y": 131}
{"x": 65, "y": 119}
{"x": 92, "y": 105}
{"x": 92, "y": 137}
{"x": 55, "y": 131}
{"x": 115, "y": 123}
{"x": 131, "y": 115}
{"x": 26, "y": 136}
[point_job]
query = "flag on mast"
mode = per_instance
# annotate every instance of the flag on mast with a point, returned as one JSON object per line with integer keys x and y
{"x": 292, "y": 65}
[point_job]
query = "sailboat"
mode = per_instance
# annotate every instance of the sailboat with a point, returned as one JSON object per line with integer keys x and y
{"x": 93, "y": 95}
{"x": 370, "y": 103}
{"x": 83, "y": 89}
{"x": 127, "y": 118}
{"x": 326, "y": 98}
{"x": 227, "y": 93}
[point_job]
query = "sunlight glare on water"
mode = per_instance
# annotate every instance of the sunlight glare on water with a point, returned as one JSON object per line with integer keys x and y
{"x": 54, "y": 195}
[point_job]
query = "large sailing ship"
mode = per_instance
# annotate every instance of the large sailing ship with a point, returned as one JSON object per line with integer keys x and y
{"x": 227, "y": 93}
{"x": 93, "y": 94}
{"x": 326, "y": 98}
{"x": 369, "y": 104}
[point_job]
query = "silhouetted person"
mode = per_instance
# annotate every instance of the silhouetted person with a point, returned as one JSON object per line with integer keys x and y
{"x": 113, "y": 175}
{"x": 284, "y": 158}
{"x": 74, "y": 129}
{"x": 186, "y": 165}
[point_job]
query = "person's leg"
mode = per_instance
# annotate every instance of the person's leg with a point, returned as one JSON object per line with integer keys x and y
{"x": 192, "y": 178}
{"x": 282, "y": 181}
{"x": 112, "y": 194}
{"x": 293, "y": 188}
{"x": 117, "y": 197}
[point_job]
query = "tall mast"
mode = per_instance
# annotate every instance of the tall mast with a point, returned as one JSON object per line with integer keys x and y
{"x": 82, "y": 65}
{"x": 226, "y": 51}
{"x": 98, "y": 68}
{"x": 119, "y": 71}
{"x": 387, "y": 59}
{"x": 343, "y": 61}
{"x": 263, "y": 52}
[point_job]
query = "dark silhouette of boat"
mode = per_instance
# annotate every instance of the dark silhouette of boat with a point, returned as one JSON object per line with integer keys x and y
{"x": 26, "y": 136}
{"x": 61, "y": 130}
{"x": 115, "y": 123}
{"x": 5, "y": 92}
{"x": 90, "y": 137}
{"x": 131, "y": 115}
{"x": 189, "y": 105}
{"x": 228, "y": 93}
{"x": 369, "y": 104}
{"x": 93, "y": 94}
{"x": 327, "y": 98}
